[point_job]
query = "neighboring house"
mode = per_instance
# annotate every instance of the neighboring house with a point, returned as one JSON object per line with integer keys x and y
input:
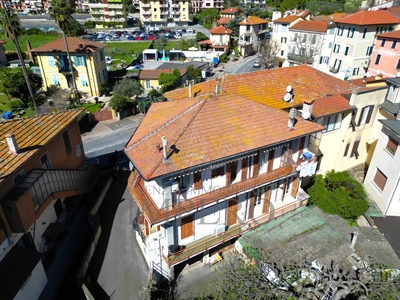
{"x": 199, "y": 5}
{"x": 281, "y": 34}
{"x": 354, "y": 41}
{"x": 220, "y": 39}
{"x": 27, "y": 6}
{"x": 306, "y": 41}
{"x": 107, "y": 13}
{"x": 385, "y": 59}
{"x": 252, "y": 35}
{"x": 3, "y": 57}
{"x": 227, "y": 15}
{"x": 155, "y": 13}
{"x": 149, "y": 78}
{"x": 88, "y": 63}
{"x": 42, "y": 164}
{"x": 211, "y": 169}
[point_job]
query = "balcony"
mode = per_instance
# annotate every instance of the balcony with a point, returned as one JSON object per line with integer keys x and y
{"x": 115, "y": 6}
{"x": 117, "y": 20}
{"x": 176, "y": 13}
{"x": 146, "y": 5}
{"x": 111, "y": 13}
{"x": 234, "y": 231}
{"x": 177, "y": 19}
{"x": 96, "y": 12}
{"x": 300, "y": 59}
{"x": 154, "y": 214}
{"x": 146, "y": 12}
{"x": 175, "y": 5}
{"x": 119, "y": 13}
{"x": 164, "y": 5}
{"x": 95, "y": 5}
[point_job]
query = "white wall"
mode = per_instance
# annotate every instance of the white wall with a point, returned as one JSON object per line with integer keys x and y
{"x": 35, "y": 284}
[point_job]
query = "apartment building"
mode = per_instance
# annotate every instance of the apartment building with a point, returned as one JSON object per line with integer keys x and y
{"x": 107, "y": 13}
{"x": 355, "y": 39}
{"x": 88, "y": 65}
{"x": 252, "y": 35}
{"x": 27, "y": 6}
{"x": 227, "y": 15}
{"x": 385, "y": 60}
{"x": 164, "y": 12}
{"x": 199, "y": 5}
{"x": 281, "y": 34}
{"x": 42, "y": 165}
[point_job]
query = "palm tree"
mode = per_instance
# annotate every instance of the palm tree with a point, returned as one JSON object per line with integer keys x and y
{"x": 61, "y": 11}
{"x": 11, "y": 25}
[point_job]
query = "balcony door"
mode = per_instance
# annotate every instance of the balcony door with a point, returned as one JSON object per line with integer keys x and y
{"x": 267, "y": 199}
{"x": 232, "y": 212}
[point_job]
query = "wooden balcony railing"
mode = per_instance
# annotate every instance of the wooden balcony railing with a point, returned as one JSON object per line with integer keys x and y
{"x": 154, "y": 214}
{"x": 234, "y": 231}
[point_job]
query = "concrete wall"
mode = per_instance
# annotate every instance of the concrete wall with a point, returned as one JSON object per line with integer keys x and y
{"x": 35, "y": 284}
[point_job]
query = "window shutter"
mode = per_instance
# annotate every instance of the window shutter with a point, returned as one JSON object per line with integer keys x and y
{"x": 270, "y": 160}
{"x": 371, "y": 108}
{"x": 251, "y": 205}
{"x": 255, "y": 165}
{"x": 179, "y": 186}
{"x": 84, "y": 60}
{"x": 244, "y": 168}
{"x": 346, "y": 150}
{"x": 60, "y": 58}
{"x": 228, "y": 174}
{"x": 301, "y": 146}
{"x": 353, "y": 118}
{"x": 380, "y": 179}
{"x": 354, "y": 151}
{"x": 75, "y": 60}
{"x": 198, "y": 184}
{"x": 187, "y": 227}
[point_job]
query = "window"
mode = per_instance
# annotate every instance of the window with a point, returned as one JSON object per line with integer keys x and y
{"x": 350, "y": 32}
{"x": 96, "y": 59}
{"x": 155, "y": 9}
{"x": 365, "y": 115}
{"x": 83, "y": 79}
{"x": 377, "y": 60}
{"x": 102, "y": 55}
{"x": 331, "y": 122}
{"x": 217, "y": 172}
{"x": 324, "y": 60}
{"x": 346, "y": 51}
{"x": 391, "y": 146}
{"x": 380, "y": 179}
{"x": 394, "y": 44}
{"x": 336, "y": 48}
{"x": 55, "y": 79}
{"x": 331, "y": 31}
{"x": 51, "y": 61}
{"x": 187, "y": 227}
{"x": 337, "y": 64}
{"x": 369, "y": 51}
{"x": 398, "y": 64}
{"x": 184, "y": 9}
{"x": 340, "y": 30}
{"x": 184, "y": 183}
{"x": 80, "y": 61}
{"x": 105, "y": 73}
{"x": 356, "y": 71}
{"x": 330, "y": 45}
{"x": 283, "y": 40}
{"x": 45, "y": 161}
{"x": 284, "y": 27}
{"x": 314, "y": 39}
{"x": 17, "y": 178}
{"x": 258, "y": 196}
{"x": 67, "y": 142}
{"x": 282, "y": 53}
{"x": 383, "y": 42}
{"x": 364, "y": 33}
{"x": 346, "y": 150}
{"x": 248, "y": 28}
{"x": 295, "y": 37}
{"x": 304, "y": 39}
{"x": 354, "y": 151}
{"x": 198, "y": 184}
{"x": 99, "y": 77}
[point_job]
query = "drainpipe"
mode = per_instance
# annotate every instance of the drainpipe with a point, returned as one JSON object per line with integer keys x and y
{"x": 391, "y": 198}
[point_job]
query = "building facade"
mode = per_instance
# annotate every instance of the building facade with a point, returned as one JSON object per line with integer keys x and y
{"x": 281, "y": 34}
{"x": 107, "y": 13}
{"x": 252, "y": 35}
{"x": 88, "y": 65}
{"x": 161, "y": 13}
{"x": 199, "y": 5}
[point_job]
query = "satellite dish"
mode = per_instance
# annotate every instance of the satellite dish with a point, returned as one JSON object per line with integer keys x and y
{"x": 289, "y": 89}
{"x": 306, "y": 115}
{"x": 287, "y": 97}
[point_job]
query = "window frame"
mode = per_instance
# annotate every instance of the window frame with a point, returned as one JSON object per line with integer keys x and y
{"x": 394, "y": 44}
{"x": 356, "y": 71}
{"x": 346, "y": 50}
{"x": 216, "y": 172}
{"x": 354, "y": 150}
{"x": 378, "y": 59}
{"x": 383, "y": 42}
{"x": 365, "y": 115}
{"x": 47, "y": 160}
{"x": 379, "y": 179}
{"x": 67, "y": 141}
{"x": 391, "y": 146}
{"x": 336, "y": 48}
{"x": 18, "y": 177}
{"x": 364, "y": 33}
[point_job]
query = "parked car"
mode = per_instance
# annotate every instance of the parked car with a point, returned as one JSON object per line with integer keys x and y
{"x": 177, "y": 36}
{"x": 130, "y": 38}
{"x": 189, "y": 30}
{"x": 118, "y": 32}
{"x": 138, "y": 38}
{"x": 151, "y": 37}
{"x": 183, "y": 31}
{"x": 256, "y": 64}
{"x": 108, "y": 59}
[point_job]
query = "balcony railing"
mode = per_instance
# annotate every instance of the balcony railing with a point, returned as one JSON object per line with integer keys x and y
{"x": 155, "y": 214}
{"x": 164, "y": 5}
{"x": 177, "y": 19}
{"x": 146, "y": 5}
{"x": 233, "y": 231}
{"x": 175, "y": 5}
{"x": 115, "y": 6}
{"x": 146, "y": 12}
{"x": 301, "y": 59}
{"x": 176, "y": 13}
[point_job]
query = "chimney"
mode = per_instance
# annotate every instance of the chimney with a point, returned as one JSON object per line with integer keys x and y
{"x": 12, "y": 143}
{"x": 354, "y": 239}
{"x": 217, "y": 86}
{"x": 190, "y": 90}
{"x": 353, "y": 97}
{"x": 28, "y": 48}
{"x": 292, "y": 118}
{"x": 307, "y": 110}
{"x": 164, "y": 144}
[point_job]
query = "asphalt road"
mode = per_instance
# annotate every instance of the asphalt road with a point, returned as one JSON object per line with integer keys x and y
{"x": 239, "y": 68}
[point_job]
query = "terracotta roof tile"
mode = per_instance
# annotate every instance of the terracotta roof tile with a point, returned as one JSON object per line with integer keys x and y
{"x": 269, "y": 86}
{"x": 74, "y": 44}
{"x": 288, "y": 19}
{"x": 321, "y": 18}
{"x": 394, "y": 10}
{"x": 220, "y": 30}
{"x": 337, "y": 16}
{"x": 329, "y": 105}
{"x": 229, "y": 10}
{"x": 391, "y": 34}
{"x": 313, "y": 26}
{"x": 371, "y": 17}
{"x": 31, "y": 134}
{"x": 252, "y": 20}
{"x": 205, "y": 42}
{"x": 224, "y": 21}
{"x": 154, "y": 73}
{"x": 206, "y": 129}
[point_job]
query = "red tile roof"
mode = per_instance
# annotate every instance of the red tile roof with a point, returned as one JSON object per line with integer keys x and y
{"x": 390, "y": 35}
{"x": 288, "y": 19}
{"x": 394, "y": 10}
{"x": 321, "y": 18}
{"x": 252, "y": 20}
{"x": 74, "y": 45}
{"x": 229, "y": 10}
{"x": 31, "y": 135}
{"x": 224, "y": 21}
{"x": 154, "y": 73}
{"x": 205, "y": 42}
{"x": 2, "y": 42}
{"x": 220, "y": 30}
{"x": 337, "y": 16}
{"x": 371, "y": 17}
{"x": 269, "y": 86}
{"x": 313, "y": 26}
{"x": 329, "y": 105}
{"x": 206, "y": 129}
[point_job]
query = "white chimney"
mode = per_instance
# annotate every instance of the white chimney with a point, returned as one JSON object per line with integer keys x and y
{"x": 164, "y": 144}
{"x": 217, "y": 86}
{"x": 190, "y": 90}
{"x": 12, "y": 143}
{"x": 307, "y": 110}
{"x": 353, "y": 97}
{"x": 354, "y": 239}
{"x": 292, "y": 118}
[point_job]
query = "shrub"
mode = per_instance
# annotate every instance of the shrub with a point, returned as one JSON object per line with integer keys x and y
{"x": 33, "y": 31}
{"x": 15, "y": 104}
{"x": 118, "y": 102}
{"x": 224, "y": 58}
{"x": 338, "y": 193}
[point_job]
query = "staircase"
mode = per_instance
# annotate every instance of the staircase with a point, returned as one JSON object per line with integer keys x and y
{"x": 330, "y": 292}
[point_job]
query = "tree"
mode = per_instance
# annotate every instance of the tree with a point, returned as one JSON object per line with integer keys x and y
{"x": 201, "y": 37}
{"x": 160, "y": 43}
{"x": 234, "y": 25}
{"x": 193, "y": 74}
{"x": 304, "y": 47}
{"x": 128, "y": 88}
{"x": 118, "y": 102}
{"x": 209, "y": 17}
{"x": 61, "y": 11}
{"x": 269, "y": 54}
{"x": 75, "y": 29}
{"x": 338, "y": 193}
{"x": 247, "y": 9}
{"x": 231, "y": 3}
{"x": 169, "y": 81}
{"x": 13, "y": 83}
{"x": 11, "y": 25}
